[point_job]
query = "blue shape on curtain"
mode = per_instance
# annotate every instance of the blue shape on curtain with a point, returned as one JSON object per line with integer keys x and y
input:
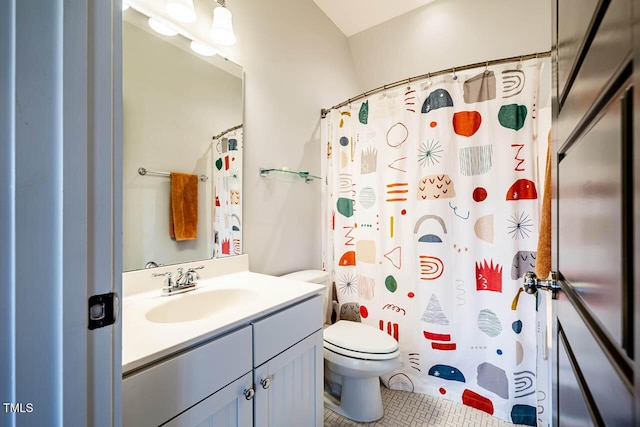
{"x": 517, "y": 326}
{"x": 447, "y": 372}
{"x": 430, "y": 238}
{"x": 439, "y": 98}
{"x": 524, "y": 414}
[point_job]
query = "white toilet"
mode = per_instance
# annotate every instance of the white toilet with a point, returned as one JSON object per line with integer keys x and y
{"x": 355, "y": 355}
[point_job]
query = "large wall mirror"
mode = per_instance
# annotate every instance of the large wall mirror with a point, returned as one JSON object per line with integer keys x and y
{"x": 182, "y": 113}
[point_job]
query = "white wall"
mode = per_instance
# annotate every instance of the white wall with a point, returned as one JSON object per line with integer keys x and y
{"x": 449, "y": 33}
{"x": 296, "y": 62}
{"x": 174, "y": 103}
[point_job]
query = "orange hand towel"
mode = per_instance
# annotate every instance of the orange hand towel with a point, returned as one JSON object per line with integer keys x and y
{"x": 183, "y": 206}
{"x": 543, "y": 257}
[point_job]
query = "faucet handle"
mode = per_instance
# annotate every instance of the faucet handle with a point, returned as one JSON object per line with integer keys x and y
{"x": 192, "y": 275}
{"x": 167, "y": 281}
{"x": 168, "y": 274}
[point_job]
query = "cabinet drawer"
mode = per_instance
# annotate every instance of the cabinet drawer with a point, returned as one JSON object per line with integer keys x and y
{"x": 276, "y": 333}
{"x": 162, "y": 391}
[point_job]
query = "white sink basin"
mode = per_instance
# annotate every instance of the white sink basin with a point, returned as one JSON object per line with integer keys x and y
{"x": 196, "y": 305}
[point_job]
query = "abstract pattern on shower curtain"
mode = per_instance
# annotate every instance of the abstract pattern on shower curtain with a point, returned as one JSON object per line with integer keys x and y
{"x": 432, "y": 209}
{"x": 227, "y": 209}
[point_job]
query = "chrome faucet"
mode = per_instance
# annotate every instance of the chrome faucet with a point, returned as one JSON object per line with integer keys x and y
{"x": 190, "y": 277}
{"x": 168, "y": 284}
{"x": 183, "y": 283}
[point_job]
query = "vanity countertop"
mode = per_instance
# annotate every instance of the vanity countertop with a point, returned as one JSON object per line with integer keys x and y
{"x": 144, "y": 341}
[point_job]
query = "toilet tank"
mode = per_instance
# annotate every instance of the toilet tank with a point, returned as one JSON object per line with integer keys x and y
{"x": 321, "y": 278}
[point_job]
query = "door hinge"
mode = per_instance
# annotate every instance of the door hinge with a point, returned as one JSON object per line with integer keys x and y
{"x": 103, "y": 310}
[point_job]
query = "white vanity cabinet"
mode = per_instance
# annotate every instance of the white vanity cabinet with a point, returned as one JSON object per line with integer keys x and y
{"x": 267, "y": 372}
{"x": 207, "y": 381}
{"x": 288, "y": 373}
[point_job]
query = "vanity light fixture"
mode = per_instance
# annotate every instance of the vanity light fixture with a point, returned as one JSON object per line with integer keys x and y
{"x": 182, "y": 10}
{"x": 202, "y": 49}
{"x": 166, "y": 27}
{"x": 161, "y": 28}
{"x": 222, "y": 28}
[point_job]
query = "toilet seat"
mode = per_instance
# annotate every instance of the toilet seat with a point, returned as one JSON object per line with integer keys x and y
{"x": 359, "y": 341}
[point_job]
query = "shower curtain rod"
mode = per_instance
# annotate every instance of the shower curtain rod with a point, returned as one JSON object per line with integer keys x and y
{"x": 223, "y": 133}
{"x": 325, "y": 111}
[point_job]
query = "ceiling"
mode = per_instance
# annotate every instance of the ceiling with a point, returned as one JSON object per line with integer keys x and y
{"x": 354, "y": 16}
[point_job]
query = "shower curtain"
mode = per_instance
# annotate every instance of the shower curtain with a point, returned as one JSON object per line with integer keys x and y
{"x": 431, "y": 219}
{"x": 227, "y": 184}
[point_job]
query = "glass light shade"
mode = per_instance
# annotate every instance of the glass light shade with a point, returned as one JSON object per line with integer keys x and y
{"x": 222, "y": 28}
{"x": 125, "y": 6}
{"x": 202, "y": 49}
{"x": 160, "y": 28}
{"x": 182, "y": 10}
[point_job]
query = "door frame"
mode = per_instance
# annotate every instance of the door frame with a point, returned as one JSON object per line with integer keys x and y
{"x": 636, "y": 198}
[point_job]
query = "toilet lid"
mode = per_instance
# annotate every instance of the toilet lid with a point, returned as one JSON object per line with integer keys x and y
{"x": 356, "y": 339}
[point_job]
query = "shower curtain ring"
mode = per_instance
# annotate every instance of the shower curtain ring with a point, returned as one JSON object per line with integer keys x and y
{"x": 519, "y": 67}
{"x": 455, "y": 77}
{"x": 486, "y": 67}
{"x": 426, "y": 84}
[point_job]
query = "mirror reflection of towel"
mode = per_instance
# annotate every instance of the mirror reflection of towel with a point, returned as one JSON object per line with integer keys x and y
{"x": 183, "y": 206}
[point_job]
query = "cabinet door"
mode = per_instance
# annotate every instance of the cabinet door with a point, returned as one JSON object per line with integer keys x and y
{"x": 289, "y": 387}
{"x": 228, "y": 407}
{"x": 170, "y": 387}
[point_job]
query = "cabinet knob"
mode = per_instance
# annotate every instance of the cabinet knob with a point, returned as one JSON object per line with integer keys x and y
{"x": 248, "y": 393}
{"x": 265, "y": 382}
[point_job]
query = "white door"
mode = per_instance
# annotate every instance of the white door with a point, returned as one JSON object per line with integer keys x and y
{"x": 60, "y": 212}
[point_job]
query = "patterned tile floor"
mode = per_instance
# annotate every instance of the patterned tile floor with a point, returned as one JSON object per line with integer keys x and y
{"x": 404, "y": 409}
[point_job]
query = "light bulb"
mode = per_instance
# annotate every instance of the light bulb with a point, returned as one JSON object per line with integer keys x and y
{"x": 182, "y": 10}
{"x": 222, "y": 28}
